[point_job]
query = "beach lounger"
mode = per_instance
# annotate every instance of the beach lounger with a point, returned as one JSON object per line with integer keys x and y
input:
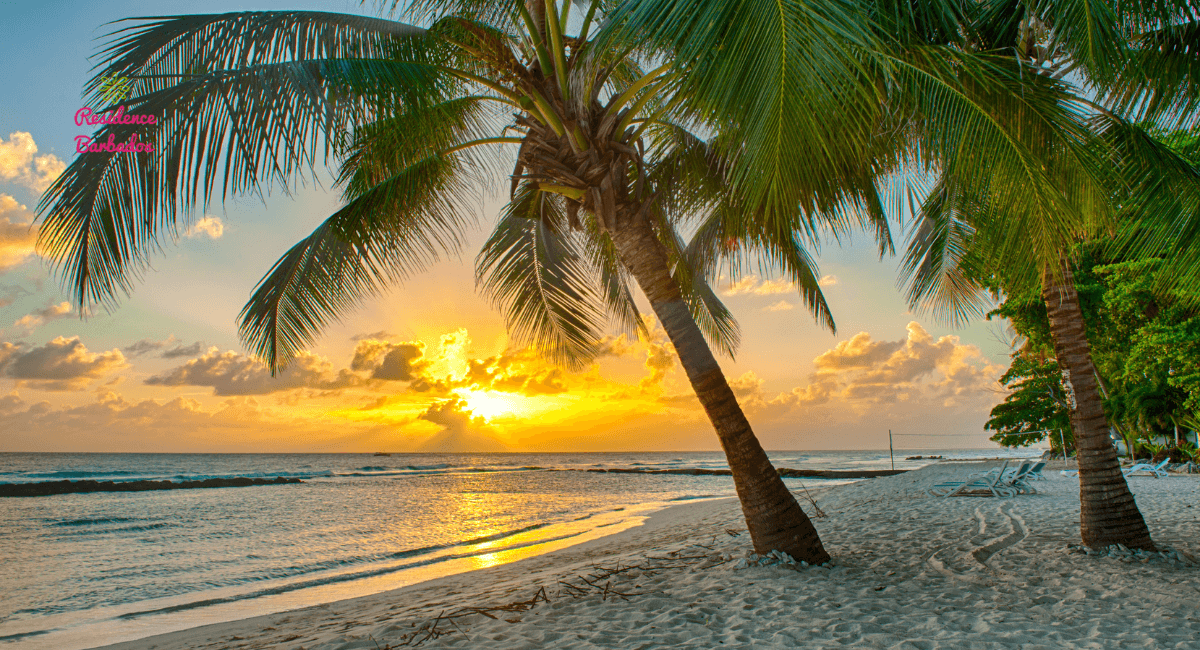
{"x": 1036, "y": 472}
{"x": 1020, "y": 479}
{"x": 984, "y": 484}
{"x": 1157, "y": 471}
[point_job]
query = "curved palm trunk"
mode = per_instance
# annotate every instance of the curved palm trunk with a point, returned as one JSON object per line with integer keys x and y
{"x": 1107, "y": 512}
{"x": 773, "y": 516}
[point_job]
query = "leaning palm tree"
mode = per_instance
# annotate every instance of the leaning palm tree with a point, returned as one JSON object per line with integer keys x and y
{"x": 604, "y": 145}
{"x": 962, "y": 238}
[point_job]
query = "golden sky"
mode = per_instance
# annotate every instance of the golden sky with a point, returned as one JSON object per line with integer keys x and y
{"x": 429, "y": 366}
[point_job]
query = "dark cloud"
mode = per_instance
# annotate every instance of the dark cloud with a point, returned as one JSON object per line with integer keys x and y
{"x": 183, "y": 351}
{"x": 10, "y": 403}
{"x": 230, "y": 373}
{"x": 60, "y": 365}
{"x": 390, "y": 361}
{"x": 10, "y": 292}
{"x": 146, "y": 346}
{"x": 380, "y": 336}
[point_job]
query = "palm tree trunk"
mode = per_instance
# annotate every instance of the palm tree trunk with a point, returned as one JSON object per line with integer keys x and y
{"x": 773, "y": 516}
{"x": 1107, "y": 512}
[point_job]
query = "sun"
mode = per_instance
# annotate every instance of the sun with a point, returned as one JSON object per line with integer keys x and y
{"x": 489, "y": 405}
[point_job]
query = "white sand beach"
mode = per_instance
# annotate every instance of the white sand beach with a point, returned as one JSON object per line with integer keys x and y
{"x": 910, "y": 571}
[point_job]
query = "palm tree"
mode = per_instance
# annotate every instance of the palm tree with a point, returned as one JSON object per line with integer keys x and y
{"x": 609, "y": 159}
{"x": 964, "y": 240}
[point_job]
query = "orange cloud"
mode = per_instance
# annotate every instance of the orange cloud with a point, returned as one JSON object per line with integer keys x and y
{"x": 39, "y": 317}
{"x": 17, "y": 236}
{"x": 750, "y": 285}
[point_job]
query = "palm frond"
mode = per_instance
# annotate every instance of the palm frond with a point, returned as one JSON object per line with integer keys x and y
{"x": 715, "y": 320}
{"x": 383, "y": 235}
{"x": 790, "y": 83}
{"x": 248, "y": 129}
{"x": 1160, "y": 200}
{"x": 937, "y": 266}
{"x": 539, "y": 278}
{"x": 393, "y": 141}
{"x": 614, "y": 280}
{"x": 1162, "y": 82}
{"x": 157, "y": 52}
{"x": 1018, "y": 141}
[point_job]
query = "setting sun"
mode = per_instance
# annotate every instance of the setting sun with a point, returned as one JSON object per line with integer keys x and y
{"x": 491, "y": 404}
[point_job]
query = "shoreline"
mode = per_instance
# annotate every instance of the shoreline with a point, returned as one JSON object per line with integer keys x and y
{"x": 504, "y": 561}
{"x": 909, "y": 571}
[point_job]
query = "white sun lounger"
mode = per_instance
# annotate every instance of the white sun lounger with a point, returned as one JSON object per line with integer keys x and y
{"x": 992, "y": 483}
{"x": 1157, "y": 471}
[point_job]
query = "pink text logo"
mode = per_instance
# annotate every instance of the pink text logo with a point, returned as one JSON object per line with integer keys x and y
{"x": 112, "y": 90}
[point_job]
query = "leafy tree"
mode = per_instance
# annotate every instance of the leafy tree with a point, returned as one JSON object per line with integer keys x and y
{"x": 1036, "y": 409}
{"x": 1143, "y": 343}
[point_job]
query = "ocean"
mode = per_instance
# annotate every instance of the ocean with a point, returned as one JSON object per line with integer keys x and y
{"x": 81, "y": 570}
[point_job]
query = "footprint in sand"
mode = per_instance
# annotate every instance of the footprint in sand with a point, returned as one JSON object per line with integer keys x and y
{"x": 1018, "y": 532}
{"x": 985, "y": 542}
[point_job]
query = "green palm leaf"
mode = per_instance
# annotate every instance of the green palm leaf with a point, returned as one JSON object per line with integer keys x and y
{"x": 381, "y": 236}
{"x": 537, "y": 275}
{"x": 248, "y": 128}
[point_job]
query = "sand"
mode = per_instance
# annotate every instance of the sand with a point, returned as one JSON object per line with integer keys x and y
{"x": 910, "y": 571}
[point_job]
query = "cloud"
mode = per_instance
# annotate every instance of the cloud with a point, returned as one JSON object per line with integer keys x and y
{"x": 461, "y": 430}
{"x": 748, "y": 385}
{"x": 750, "y": 285}
{"x": 867, "y": 371}
{"x": 230, "y": 373}
{"x": 146, "y": 346}
{"x": 182, "y": 350}
{"x": 19, "y": 163}
{"x": 10, "y": 292}
{"x": 390, "y": 361}
{"x": 858, "y": 352}
{"x": 114, "y": 423}
{"x": 39, "y": 317}
{"x": 515, "y": 371}
{"x": 380, "y": 335}
{"x": 17, "y": 237}
{"x": 614, "y": 346}
{"x": 660, "y": 358}
{"x": 60, "y": 365}
{"x": 828, "y": 280}
{"x": 782, "y": 305}
{"x": 209, "y": 226}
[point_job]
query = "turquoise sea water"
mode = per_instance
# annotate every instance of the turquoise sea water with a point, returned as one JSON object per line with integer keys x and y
{"x": 81, "y": 570}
